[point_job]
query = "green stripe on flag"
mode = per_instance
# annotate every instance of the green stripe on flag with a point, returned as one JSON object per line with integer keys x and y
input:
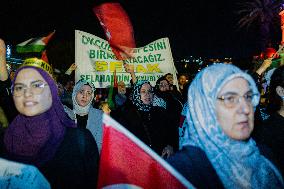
{"x": 30, "y": 48}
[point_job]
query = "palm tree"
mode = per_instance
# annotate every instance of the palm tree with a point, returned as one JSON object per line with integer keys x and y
{"x": 262, "y": 14}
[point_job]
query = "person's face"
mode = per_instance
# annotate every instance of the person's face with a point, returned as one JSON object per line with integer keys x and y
{"x": 164, "y": 86}
{"x": 238, "y": 121}
{"x": 84, "y": 95}
{"x": 35, "y": 100}
{"x": 182, "y": 80}
{"x": 60, "y": 89}
{"x": 146, "y": 94}
{"x": 170, "y": 79}
{"x": 121, "y": 88}
{"x": 69, "y": 86}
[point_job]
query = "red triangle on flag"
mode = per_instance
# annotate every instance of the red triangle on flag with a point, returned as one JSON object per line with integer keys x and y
{"x": 47, "y": 38}
{"x": 44, "y": 56}
{"x": 126, "y": 161}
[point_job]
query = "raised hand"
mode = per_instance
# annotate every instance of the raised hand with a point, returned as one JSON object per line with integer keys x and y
{"x": 266, "y": 64}
{"x": 71, "y": 69}
{"x": 128, "y": 68}
{"x": 2, "y": 49}
{"x": 3, "y": 68}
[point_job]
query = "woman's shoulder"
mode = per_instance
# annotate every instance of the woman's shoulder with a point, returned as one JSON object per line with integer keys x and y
{"x": 158, "y": 109}
{"x": 274, "y": 119}
{"x": 95, "y": 111}
{"x": 76, "y": 132}
{"x": 189, "y": 154}
{"x": 78, "y": 139}
{"x": 69, "y": 112}
{"x": 194, "y": 165}
{"x": 269, "y": 128}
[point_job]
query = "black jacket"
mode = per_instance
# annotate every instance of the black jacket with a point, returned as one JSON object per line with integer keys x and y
{"x": 154, "y": 128}
{"x": 75, "y": 163}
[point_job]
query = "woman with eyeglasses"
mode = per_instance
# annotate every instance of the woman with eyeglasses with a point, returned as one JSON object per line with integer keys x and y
{"x": 83, "y": 113}
{"x": 149, "y": 123}
{"x": 44, "y": 136}
{"x": 218, "y": 151}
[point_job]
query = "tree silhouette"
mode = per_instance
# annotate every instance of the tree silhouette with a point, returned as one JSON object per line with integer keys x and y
{"x": 261, "y": 15}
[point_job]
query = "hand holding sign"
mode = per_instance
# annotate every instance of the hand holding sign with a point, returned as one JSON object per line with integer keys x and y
{"x": 71, "y": 69}
{"x": 266, "y": 64}
{"x": 128, "y": 68}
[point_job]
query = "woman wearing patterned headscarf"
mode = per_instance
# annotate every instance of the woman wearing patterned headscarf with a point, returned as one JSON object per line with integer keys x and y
{"x": 44, "y": 136}
{"x": 218, "y": 150}
{"x": 149, "y": 123}
{"x": 84, "y": 114}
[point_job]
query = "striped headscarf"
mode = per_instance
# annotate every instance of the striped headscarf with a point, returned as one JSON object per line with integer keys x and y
{"x": 136, "y": 96}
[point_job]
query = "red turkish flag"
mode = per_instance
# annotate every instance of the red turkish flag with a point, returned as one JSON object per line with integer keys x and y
{"x": 126, "y": 162}
{"x": 117, "y": 27}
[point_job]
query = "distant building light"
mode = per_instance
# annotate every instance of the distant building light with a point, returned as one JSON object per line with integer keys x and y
{"x": 8, "y": 52}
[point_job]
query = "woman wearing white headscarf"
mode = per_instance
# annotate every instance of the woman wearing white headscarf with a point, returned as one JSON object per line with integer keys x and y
{"x": 221, "y": 103}
{"x": 83, "y": 113}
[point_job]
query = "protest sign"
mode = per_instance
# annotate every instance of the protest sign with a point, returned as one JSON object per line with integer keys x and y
{"x": 96, "y": 62}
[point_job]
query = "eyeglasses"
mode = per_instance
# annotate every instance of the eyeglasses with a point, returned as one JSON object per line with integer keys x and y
{"x": 233, "y": 100}
{"x": 35, "y": 88}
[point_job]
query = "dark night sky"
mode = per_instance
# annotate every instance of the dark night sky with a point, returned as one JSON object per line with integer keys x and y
{"x": 198, "y": 28}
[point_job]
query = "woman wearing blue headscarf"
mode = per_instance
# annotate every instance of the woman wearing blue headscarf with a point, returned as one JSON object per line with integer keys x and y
{"x": 218, "y": 150}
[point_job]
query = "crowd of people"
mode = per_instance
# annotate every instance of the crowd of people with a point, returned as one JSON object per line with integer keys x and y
{"x": 209, "y": 129}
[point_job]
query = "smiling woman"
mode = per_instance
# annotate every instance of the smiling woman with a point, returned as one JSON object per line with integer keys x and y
{"x": 32, "y": 100}
{"x": 43, "y": 135}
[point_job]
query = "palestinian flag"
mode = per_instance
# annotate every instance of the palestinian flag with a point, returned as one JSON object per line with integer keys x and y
{"x": 34, "y": 45}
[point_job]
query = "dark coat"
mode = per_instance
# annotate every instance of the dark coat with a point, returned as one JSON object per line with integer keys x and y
{"x": 271, "y": 134}
{"x": 154, "y": 128}
{"x": 173, "y": 111}
{"x": 6, "y": 100}
{"x": 75, "y": 163}
{"x": 194, "y": 165}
